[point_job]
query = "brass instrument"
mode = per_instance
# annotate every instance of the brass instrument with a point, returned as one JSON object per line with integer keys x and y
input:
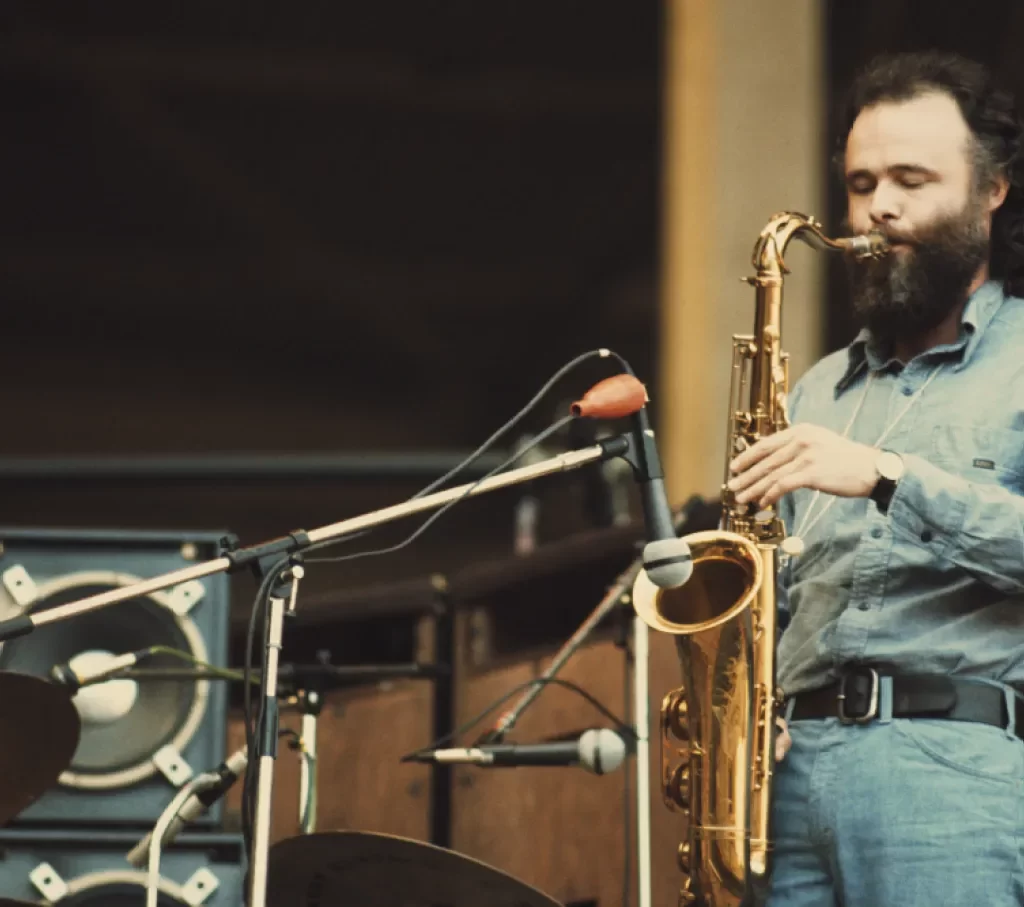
{"x": 718, "y": 728}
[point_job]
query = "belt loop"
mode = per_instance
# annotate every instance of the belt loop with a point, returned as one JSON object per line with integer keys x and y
{"x": 790, "y": 705}
{"x": 1010, "y": 695}
{"x": 884, "y": 699}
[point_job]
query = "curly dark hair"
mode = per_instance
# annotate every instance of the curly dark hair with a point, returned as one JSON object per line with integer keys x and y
{"x": 990, "y": 112}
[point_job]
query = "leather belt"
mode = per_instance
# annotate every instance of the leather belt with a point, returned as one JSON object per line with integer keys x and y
{"x": 854, "y": 699}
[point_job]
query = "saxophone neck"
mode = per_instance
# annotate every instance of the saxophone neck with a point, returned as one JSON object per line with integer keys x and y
{"x": 770, "y": 248}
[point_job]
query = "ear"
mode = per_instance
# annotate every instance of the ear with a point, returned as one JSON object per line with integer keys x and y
{"x": 997, "y": 191}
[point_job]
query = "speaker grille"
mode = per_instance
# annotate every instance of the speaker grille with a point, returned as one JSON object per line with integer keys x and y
{"x": 117, "y": 751}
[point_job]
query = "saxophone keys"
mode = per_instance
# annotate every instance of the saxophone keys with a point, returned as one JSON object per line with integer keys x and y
{"x": 675, "y": 713}
{"x": 683, "y": 857}
{"x": 792, "y": 546}
{"x": 678, "y": 788}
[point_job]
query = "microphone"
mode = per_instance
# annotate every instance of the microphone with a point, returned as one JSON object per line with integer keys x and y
{"x": 667, "y": 560}
{"x": 88, "y": 667}
{"x": 598, "y": 751}
{"x": 230, "y": 770}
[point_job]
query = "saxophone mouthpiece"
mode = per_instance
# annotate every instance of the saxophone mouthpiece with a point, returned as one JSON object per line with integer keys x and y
{"x": 868, "y": 245}
{"x": 613, "y": 398}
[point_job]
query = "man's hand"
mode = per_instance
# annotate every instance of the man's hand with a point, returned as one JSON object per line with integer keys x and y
{"x": 782, "y": 740}
{"x": 803, "y": 456}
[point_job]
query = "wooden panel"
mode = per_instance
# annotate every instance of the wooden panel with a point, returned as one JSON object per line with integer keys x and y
{"x": 688, "y": 428}
{"x": 362, "y": 784}
{"x": 563, "y": 829}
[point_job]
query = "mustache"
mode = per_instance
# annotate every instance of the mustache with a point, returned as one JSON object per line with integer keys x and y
{"x": 906, "y": 239}
{"x": 891, "y": 236}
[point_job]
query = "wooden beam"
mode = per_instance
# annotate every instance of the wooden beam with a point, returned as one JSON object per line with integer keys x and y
{"x": 688, "y": 240}
{"x": 743, "y": 139}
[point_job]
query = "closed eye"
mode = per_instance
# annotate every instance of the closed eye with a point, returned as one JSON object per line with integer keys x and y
{"x": 860, "y": 186}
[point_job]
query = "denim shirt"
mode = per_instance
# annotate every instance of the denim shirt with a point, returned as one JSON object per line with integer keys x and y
{"x": 936, "y": 585}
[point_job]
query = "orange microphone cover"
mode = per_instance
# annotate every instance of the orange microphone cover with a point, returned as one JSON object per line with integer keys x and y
{"x": 613, "y": 398}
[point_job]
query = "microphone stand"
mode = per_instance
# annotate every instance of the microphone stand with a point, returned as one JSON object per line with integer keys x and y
{"x": 638, "y": 648}
{"x": 310, "y": 701}
{"x": 618, "y": 594}
{"x": 194, "y": 786}
{"x": 642, "y": 726}
{"x": 266, "y": 735}
{"x": 231, "y": 561}
{"x": 625, "y": 445}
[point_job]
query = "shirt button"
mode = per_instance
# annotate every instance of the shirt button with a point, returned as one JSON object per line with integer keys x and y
{"x": 864, "y": 606}
{"x": 927, "y": 535}
{"x": 876, "y": 532}
{"x": 907, "y": 391}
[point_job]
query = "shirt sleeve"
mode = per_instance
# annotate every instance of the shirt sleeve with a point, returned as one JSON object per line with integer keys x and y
{"x": 978, "y": 527}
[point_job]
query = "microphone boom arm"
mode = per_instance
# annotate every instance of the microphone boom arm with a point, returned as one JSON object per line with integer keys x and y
{"x": 617, "y": 446}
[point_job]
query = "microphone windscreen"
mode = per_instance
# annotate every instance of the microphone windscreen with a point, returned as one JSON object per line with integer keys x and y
{"x": 602, "y": 751}
{"x": 613, "y": 398}
{"x": 668, "y": 563}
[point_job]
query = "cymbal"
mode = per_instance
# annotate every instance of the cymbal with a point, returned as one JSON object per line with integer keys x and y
{"x": 364, "y": 869}
{"x": 39, "y": 727}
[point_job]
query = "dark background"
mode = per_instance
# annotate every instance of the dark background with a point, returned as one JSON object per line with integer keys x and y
{"x": 342, "y": 230}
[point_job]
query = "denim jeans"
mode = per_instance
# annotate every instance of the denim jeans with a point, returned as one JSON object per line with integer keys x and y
{"x": 899, "y": 813}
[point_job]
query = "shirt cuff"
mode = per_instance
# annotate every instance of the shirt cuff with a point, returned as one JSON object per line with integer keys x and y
{"x": 929, "y": 505}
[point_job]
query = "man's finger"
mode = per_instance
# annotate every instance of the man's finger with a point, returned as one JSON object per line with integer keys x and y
{"x": 784, "y": 484}
{"x": 748, "y": 482}
{"x": 760, "y": 450}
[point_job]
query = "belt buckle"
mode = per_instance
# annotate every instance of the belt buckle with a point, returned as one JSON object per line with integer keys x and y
{"x": 872, "y": 708}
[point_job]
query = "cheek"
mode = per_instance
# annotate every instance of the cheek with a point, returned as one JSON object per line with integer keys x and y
{"x": 933, "y": 203}
{"x": 858, "y": 216}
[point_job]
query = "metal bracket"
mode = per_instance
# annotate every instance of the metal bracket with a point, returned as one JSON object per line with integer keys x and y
{"x": 199, "y": 888}
{"x": 182, "y": 599}
{"x": 175, "y": 769}
{"x": 48, "y": 883}
{"x": 20, "y": 586}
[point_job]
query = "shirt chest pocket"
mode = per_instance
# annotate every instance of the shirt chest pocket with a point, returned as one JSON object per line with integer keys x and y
{"x": 980, "y": 453}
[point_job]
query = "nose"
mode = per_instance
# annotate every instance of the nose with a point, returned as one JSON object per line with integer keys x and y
{"x": 885, "y": 205}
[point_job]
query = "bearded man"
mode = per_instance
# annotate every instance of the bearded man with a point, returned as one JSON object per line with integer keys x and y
{"x": 902, "y": 657}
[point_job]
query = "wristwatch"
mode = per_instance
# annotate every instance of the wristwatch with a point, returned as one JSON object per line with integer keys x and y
{"x": 889, "y": 466}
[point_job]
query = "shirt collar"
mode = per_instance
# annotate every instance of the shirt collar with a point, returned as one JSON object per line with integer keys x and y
{"x": 981, "y": 307}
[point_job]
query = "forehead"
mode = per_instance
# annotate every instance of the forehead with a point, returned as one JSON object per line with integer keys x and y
{"x": 928, "y": 130}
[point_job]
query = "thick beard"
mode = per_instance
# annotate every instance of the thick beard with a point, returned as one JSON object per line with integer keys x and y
{"x": 906, "y": 294}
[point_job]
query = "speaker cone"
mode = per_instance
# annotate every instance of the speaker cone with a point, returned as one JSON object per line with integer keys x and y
{"x": 124, "y": 722}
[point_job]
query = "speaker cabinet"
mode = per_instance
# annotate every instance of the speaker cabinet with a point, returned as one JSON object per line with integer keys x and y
{"x": 90, "y": 870}
{"x": 140, "y": 740}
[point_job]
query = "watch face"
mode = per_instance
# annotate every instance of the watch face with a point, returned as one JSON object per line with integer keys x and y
{"x": 889, "y": 465}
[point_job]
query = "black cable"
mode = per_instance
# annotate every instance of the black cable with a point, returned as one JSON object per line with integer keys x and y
{"x": 254, "y": 728}
{"x": 538, "y": 681}
{"x": 473, "y": 457}
{"x": 518, "y": 417}
{"x": 408, "y": 540}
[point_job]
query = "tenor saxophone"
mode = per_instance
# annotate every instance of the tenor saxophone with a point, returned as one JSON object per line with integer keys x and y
{"x": 718, "y": 727}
